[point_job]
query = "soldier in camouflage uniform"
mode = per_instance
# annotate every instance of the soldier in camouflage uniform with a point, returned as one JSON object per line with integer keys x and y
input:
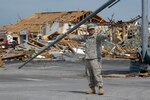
{"x": 93, "y": 52}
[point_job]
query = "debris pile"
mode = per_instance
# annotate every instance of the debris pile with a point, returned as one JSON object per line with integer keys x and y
{"x": 1, "y": 61}
{"x": 36, "y": 32}
{"x": 112, "y": 48}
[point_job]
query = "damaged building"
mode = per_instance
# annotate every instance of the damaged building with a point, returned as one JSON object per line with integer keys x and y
{"x": 37, "y": 31}
{"x": 47, "y": 23}
{"x": 47, "y": 26}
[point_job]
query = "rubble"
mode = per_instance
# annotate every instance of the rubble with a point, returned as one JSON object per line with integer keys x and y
{"x": 67, "y": 49}
{"x": 41, "y": 29}
{"x": 145, "y": 75}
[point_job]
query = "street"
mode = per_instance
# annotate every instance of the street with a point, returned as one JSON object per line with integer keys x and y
{"x": 61, "y": 80}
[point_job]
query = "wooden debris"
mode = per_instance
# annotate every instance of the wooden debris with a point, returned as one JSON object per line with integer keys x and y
{"x": 138, "y": 75}
{"x": 1, "y": 62}
{"x": 36, "y": 43}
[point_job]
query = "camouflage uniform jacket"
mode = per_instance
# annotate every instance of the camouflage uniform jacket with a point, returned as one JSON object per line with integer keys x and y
{"x": 93, "y": 44}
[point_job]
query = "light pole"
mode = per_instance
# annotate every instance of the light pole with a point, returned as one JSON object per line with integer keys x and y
{"x": 144, "y": 28}
{"x": 144, "y": 57}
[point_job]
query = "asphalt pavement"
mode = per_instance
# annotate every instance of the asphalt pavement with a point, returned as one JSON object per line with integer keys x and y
{"x": 61, "y": 80}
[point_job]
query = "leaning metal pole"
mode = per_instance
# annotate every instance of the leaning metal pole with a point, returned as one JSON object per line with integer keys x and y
{"x": 72, "y": 29}
{"x": 144, "y": 27}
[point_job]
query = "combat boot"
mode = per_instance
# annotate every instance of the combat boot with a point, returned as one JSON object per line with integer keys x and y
{"x": 91, "y": 90}
{"x": 100, "y": 91}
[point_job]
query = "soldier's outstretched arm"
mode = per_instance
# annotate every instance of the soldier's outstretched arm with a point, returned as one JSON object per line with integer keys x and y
{"x": 103, "y": 36}
{"x": 79, "y": 38}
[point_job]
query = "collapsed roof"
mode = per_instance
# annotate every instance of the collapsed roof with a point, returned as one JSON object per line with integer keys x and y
{"x": 34, "y": 22}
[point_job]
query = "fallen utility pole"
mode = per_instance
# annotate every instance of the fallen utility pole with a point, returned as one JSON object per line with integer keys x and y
{"x": 72, "y": 29}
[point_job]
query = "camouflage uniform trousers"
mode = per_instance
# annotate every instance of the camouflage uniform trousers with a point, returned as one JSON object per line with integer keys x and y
{"x": 93, "y": 71}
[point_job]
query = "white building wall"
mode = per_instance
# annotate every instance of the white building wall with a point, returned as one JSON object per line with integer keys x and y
{"x": 52, "y": 28}
{"x": 65, "y": 28}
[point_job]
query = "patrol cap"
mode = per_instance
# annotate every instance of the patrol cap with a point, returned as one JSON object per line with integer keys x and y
{"x": 90, "y": 26}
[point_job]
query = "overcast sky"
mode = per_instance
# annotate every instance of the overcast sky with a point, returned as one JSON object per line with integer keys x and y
{"x": 13, "y": 10}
